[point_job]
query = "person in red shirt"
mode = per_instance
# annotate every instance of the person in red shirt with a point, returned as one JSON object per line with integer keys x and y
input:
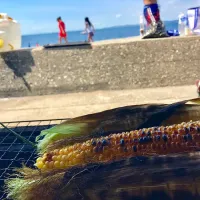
{"x": 62, "y": 33}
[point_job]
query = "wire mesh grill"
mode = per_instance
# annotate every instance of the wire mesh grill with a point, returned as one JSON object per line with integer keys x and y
{"x": 13, "y": 152}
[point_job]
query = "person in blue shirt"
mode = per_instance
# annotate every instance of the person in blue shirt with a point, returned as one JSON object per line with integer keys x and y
{"x": 152, "y": 16}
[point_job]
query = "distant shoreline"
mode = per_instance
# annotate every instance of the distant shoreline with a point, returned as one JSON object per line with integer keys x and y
{"x": 106, "y": 28}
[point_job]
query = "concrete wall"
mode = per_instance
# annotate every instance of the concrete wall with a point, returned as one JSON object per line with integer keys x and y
{"x": 119, "y": 64}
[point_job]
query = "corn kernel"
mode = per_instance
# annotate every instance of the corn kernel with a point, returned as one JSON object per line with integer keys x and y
{"x": 64, "y": 158}
{"x": 44, "y": 167}
{"x": 39, "y": 159}
{"x": 39, "y": 165}
{"x": 61, "y": 152}
{"x": 50, "y": 164}
{"x": 66, "y": 151}
{"x": 54, "y": 158}
{"x": 56, "y": 164}
{"x": 56, "y": 152}
{"x": 62, "y": 164}
{"x": 59, "y": 157}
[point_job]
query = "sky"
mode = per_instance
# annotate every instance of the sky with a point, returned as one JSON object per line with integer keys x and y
{"x": 39, "y": 16}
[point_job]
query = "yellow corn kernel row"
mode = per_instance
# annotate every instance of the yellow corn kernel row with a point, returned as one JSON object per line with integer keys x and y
{"x": 179, "y": 138}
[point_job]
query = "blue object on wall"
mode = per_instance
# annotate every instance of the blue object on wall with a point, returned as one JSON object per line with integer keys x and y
{"x": 173, "y": 33}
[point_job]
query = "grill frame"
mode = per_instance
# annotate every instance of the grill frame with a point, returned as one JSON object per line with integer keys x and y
{"x": 31, "y": 129}
{"x": 13, "y": 152}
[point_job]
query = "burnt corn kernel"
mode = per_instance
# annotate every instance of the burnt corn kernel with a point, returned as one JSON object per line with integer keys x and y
{"x": 189, "y": 137}
{"x": 122, "y": 142}
{"x": 135, "y": 149}
{"x": 158, "y": 137}
{"x": 165, "y": 138}
{"x": 94, "y": 143}
{"x": 104, "y": 142}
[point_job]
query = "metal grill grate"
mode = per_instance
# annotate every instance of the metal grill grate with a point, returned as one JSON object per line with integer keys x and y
{"x": 13, "y": 152}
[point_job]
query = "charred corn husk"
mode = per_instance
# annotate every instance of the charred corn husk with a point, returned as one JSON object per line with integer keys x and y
{"x": 133, "y": 117}
{"x": 178, "y": 138}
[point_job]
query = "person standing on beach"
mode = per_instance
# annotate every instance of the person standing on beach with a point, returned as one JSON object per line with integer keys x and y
{"x": 89, "y": 29}
{"x": 152, "y": 16}
{"x": 62, "y": 33}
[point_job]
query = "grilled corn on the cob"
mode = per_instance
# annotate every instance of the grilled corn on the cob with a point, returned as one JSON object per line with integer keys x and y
{"x": 179, "y": 138}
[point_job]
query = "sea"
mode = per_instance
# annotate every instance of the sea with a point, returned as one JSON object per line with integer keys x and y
{"x": 100, "y": 34}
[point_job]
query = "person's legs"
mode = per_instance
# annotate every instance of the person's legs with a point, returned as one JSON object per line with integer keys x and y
{"x": 59, "y": 40}
{"x": 91, "y": 37}
{"x": 65, "y": 38}
{"x": 151, "y": 13}
{"x": 88, "y": 37}
{"x": 152, "y": 16}
{"x": 62, "y": 36}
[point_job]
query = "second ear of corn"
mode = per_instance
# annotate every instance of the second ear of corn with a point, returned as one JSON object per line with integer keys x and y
{"x": 179, "y": 138}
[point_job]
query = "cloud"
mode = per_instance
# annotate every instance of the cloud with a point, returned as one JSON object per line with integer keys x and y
{"x": 118, "y": 15}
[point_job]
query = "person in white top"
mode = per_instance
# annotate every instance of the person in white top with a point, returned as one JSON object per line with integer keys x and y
{"x": 89, "y": 29}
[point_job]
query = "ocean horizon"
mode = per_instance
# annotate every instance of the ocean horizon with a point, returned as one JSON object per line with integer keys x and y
{"x": 114, "y": 32}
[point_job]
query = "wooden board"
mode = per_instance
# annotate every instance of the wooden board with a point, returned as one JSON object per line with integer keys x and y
{"x": 68, "y": 45}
